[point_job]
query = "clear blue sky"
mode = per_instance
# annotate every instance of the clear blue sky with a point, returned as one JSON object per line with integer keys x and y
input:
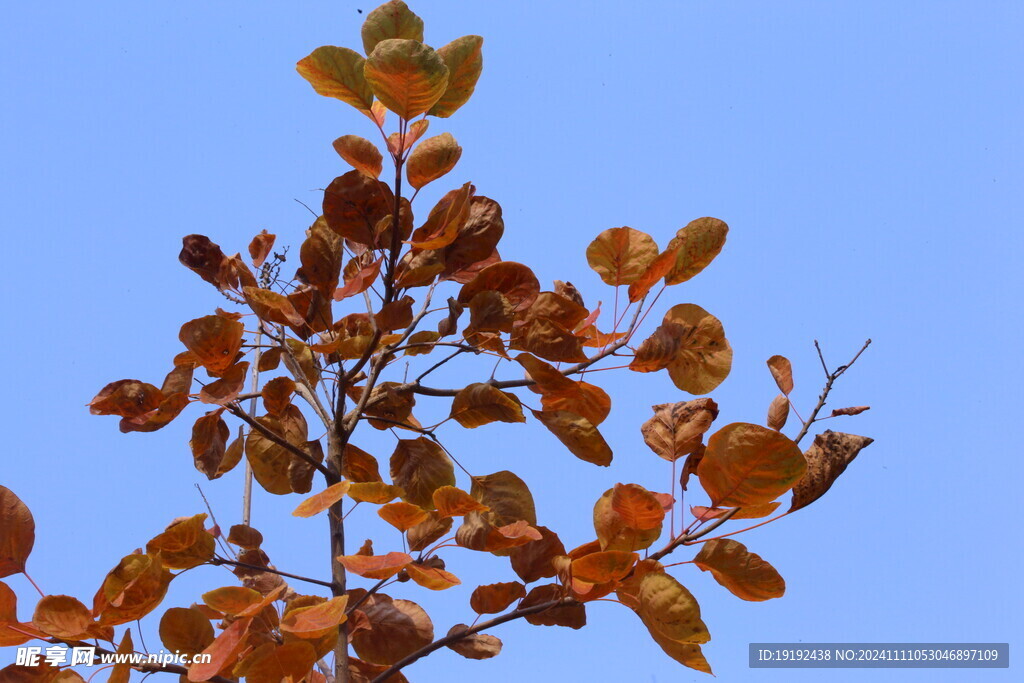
{"x": 865, "y": 154}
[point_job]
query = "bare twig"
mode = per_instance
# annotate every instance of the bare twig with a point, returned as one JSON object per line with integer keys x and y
{"x": 831, "y": 378}
{"x": 217, "y": 561}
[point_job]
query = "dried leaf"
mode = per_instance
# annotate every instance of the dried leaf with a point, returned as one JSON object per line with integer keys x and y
{"x": 746, "y": 464}
{"x": 403, "y": 516}
{"x": 184, "y": 544}
{"x": 696, "y": 246}
{"x": 827, "y": 458}
{"x": 857, "y": 410}
{"x": 704, "y": 357}
{"x": 361, "y": 154}
{"x": 677, "y": 429}
{"x": 621, "y": 255}
{"x": 432, "y": 578}
{"x": 260, "y": 246}
{"x": 479, "y": 404}
{"x": 17, "y": 533}
{"x": 742, "y": 572}
{"x": 375, "y": 566}
{"x": 578, "y": 434}
{"x": 778, "y": 412}
{"x": 432, "y": 158}
{"x": 185, "y": 630}
{"x": 398, "y": 628}
{"x": 420, "y": 466}
{"x": 476, "y": 646}
{"x": 62, "y": 616}
{"x": 782, "y": 371}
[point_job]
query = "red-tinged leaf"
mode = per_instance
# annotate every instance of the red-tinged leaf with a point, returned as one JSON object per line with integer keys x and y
{"x": 406, "y": 75}
{"x": 365, "y": 672}
{"x": 827, "y": 458}
{"x": 586, "y": 400}
{"x": 272, "y": 307}
{"x": 532, "y": 561}
{"x": 398, "y": 628}
{"x": 153, "y": 420}
{"x": 270, "y": 359}
{"x": 696, "y": 246}
{"x": 361, "y": 154}
{"x": 184, "y": 544}
{"x": 228, "y": 387}
{"x": 223, "y": 650}
{"x": 856, "y": 410}
{"x": 375, "y": 492}
{"x": 398, "y": 144}
{"x": 231, "y": 599}
{"x": 131, "y": 590}
{"x": 464, "y": 59}
{"x": 782, "y": 371}
{"x": 359, "y": 466}
{"x": 62, "y": 616}
{"x": 17, "y": 533}
{"x": 338, "y": 72}
{"x": 496, "y": 597}
{"x": 321, "y": 255}
{"x": 393, "y": 19}
{"x": 515, "y": 281}
{"x": 637, "y": 507}
{"x": 319, "y": 502}
{"x": 480, "y": 404}
{"x": 420, "y": 466}
{"x": 577, "y": 434}
{"x": 751, "y": 512}
{"x": 354, "y": 204}
{"x": 621, "y": 255}
{"x": 476, "y": 646}
{"x": 454, "y": 502}
{"x": 403, "y": 516}
{"x": 742, "y": 572}
{"x": 604, "y": 567}
{"x": 445, "y": 219}
{"x": 658, "y": 269}
{"x": 361, "y": 281}
{"x": 210, "y": 435}
{"x": 213, "y": 340}
{"x": 432, "y": 578}
{"x": 425, "y": 533}
{"x": 313, "y": 621}
{"x": 659, "y": 350}
{"x": 677, "y": 429}
{"x": 260, "y": 246}
{"x": 746, "y": 464}
{"x": 432, "y": 158}
{"x": 277, "y": 395}
{"x": 185, "y": 630}
{"x": 127, "y": 398}
{"x": 396, "y": 315}
{"x": 669, "y": 610}
{"x": 613, "y": 528}
{"x": 547, "y": 379}
{"x": 573, "y": 616}
{"x": 551, "y": 341}
{"x": 778, "y": 412}
{"x": 203, "y": 257}
{"x": 705, "y": 357}
{"x": 244, "y": 536}
{"x": 274, "y": 663}
{"x": 375, "y": 566}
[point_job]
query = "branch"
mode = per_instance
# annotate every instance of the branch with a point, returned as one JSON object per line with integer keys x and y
{"x": 683, "y": 539}
{"x": 416, "y": 387}
{"x": 497, "y": 621}
{"x": 831, "y": 377}
{"x": 282, "y": 442}
{"x": 217, "y": 561}
{"x": 373, "y": 589}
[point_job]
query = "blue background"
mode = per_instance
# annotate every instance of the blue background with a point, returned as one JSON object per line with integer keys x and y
{"x": 865, "y": 154}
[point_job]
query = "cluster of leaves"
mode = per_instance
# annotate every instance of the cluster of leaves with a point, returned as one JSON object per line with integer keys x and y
{"x": 365, "y": 252}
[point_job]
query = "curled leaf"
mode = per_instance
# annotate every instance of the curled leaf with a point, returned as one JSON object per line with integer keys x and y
{"x": 827, "y": 458}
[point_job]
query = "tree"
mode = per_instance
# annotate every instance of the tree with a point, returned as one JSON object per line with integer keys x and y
{"x": 340, "y": 344}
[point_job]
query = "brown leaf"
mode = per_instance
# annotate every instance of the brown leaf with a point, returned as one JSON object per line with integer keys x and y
{"x": 374, "y": 492}
{"x": 742, "y": 572}
{"x": 396, "y": 315}
{"x": 260, "y": 246}
{"x": 432, "y": 158}
{"x": 827, "y": 458}
{"x": 618, "y": 529}
{"x": 121, "y": 672}
{"x": 213, "y": 340}
{"x": 359, "y": 466}
{"x": 621, "y": 255}
{"x": 62, "y": 616}
{"x": 496, "y": 597}
{"x": 489, "y": 311}
{"x": 677, "y": 429}
{"x": 272, "y": 662}
{"x": 586, "y": 400}
{"x": 449, "y": 325}
{"x": 353, "y": 205}
{"x": 425, "y": 533}
{"x": 17, "y": 533}
{"x": 465, "y": 62}
{"x": 321, "y": 255}
{"x": 222, "y": 651}
{"x": 184, "y": 544}
{"x": 231, "y": 600}
{"x": 515, "y": 281}
{"x": 857, "y": 410}
{"x": 128, "y": 398}
{"x": 637, "y": 507}
{"x": 782, "y": 371}
{"x": 361, "y": 154}
{"x": 203, "y": 257}
{"x": 658, "y": 269}
{"x": 131, "y": 590}
{"x": 244, "y": 536}
{"x": 476, "y": 646}
{"x": 669, "y": 610}
{"x": 578, "y": 434}
{"x": 660, "y": 349}
{"x": 270, "y": 462}
{"x": 420, "y": 466}
{"x": 532, "y": 561}
{"x": 747, "y": 464}
{"x": 272, "y": 307}
{"x": 476, "y": 240}
{"x": 229, "y": 386}
{"x": 398, "y": 628}
{"x": 549, "y": 340}
{"x": 704, "y": 357}
{"x": 573, "y": 616}
{"x": 479, "y": 404}
{"x": 360, "y": 281}
{"x": 603, "y": 567}
{"x": 696, "y": 246}
{"x": 778, "y": 412}
{"x": 185, "y": 630}
{"x": 750, "y": 512}
{"x": 445, "y": 219}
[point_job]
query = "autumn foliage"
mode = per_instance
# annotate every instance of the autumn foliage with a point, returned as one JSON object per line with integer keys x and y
{"x": 378, "y": 288}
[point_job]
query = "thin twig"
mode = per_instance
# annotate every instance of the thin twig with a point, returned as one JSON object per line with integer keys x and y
{"x": 217, "y": 561}
{"x": 832, "y": 377}
{"x": 282, "y": 442}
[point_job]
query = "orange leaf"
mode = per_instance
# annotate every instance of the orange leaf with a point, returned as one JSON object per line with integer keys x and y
{"x": 62, "y": 616}
{"x": 17, "y": 533}
{"x": 479, "y": 404}
{"x": 222, "y": 651}
{"x": 376, "y": 492}
{"x": 827, "y": 458}
{"x": 602, "y": 567}
{"x": 782, "y": 371}
{"x": 454, "y": 502}
{"x": 231, "y": 599}
{"x": 319, "y": 502}
{"x": 213, "y": 340}
{"x": 225, "y": 389}
{"x": 621, "y": 255}
{"x": 496, "y": 597}
{"x": 259, "y": 248}
{"x": 744, "y": 573}
{"x": 746, "y": 464}
{"x": 431, "y": 577}
{"x": 312, "y": 622}
{"x": 637, "y": 507}
{"x": 375, "y": 566}
{"x": 401, "y": 515}
{"x": 432, "y": 158}
{"x": 360, "y": 153}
